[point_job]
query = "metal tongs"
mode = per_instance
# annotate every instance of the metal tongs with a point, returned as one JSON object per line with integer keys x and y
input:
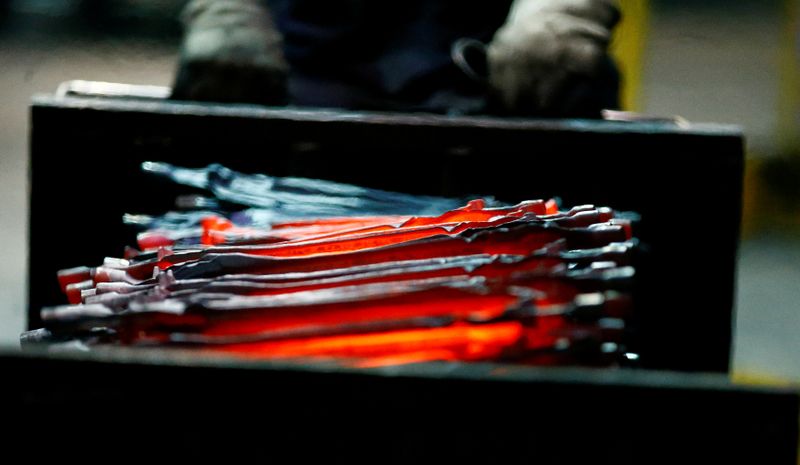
{"x": 469, "y": 55}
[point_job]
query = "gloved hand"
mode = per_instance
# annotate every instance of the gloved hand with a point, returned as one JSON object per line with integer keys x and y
{"x": 231, "y": 52}
{"x": 550, "y": 57}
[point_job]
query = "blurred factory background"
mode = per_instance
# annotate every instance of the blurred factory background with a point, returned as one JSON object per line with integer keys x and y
{"x": 708, "y": 61}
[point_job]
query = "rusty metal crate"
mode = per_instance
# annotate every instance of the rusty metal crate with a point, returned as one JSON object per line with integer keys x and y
{"x": 684, "y": 180}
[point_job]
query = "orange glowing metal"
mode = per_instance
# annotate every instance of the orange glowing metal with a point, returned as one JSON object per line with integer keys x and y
{"x": 463, "y": 342}
{"x": 474, "y": 283}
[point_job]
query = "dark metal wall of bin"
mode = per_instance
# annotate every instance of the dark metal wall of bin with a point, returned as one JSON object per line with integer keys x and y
{"x": 686, "y": 182}
{"x": 156, "y": 407}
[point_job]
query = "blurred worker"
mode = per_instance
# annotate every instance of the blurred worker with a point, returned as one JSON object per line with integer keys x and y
{"x": 527, "y": 57}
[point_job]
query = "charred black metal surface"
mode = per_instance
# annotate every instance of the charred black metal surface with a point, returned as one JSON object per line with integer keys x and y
{"x": 685, "y": 182}
{"x": 141, "y": 406}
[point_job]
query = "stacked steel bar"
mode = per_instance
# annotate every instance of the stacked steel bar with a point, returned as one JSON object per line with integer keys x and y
{"x": 525, "y": 283}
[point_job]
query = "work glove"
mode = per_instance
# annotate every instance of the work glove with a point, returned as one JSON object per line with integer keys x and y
{"x": 550, "y": 58}
{"x": 231, "y": 52}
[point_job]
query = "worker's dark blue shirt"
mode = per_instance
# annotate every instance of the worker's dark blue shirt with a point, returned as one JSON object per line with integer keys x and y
{"x": 382, "y": 54}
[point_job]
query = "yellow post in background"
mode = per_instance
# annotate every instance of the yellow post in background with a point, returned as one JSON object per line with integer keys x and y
{"x": 789, "y": 97}
{"x": 768, "y": 203}
{"x": 628, "y": 49}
